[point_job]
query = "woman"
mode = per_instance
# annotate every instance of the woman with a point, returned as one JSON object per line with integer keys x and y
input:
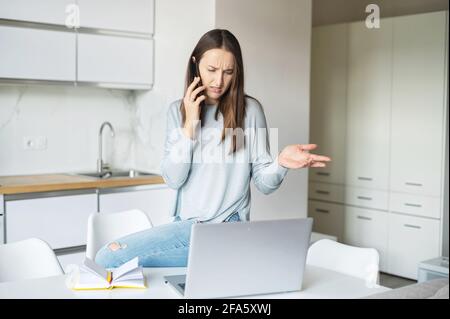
{"x": 213, "y": 148}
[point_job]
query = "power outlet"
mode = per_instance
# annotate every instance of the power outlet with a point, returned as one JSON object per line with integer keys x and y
{"x": 34, "y": 143}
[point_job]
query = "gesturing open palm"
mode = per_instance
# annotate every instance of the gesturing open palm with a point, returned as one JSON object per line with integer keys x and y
{"x": 298, "y": 156}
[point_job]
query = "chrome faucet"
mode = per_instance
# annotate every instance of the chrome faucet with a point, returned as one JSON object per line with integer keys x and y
{"x": 100, "y": 165}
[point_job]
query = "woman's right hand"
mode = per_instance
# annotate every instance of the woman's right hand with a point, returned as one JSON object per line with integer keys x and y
{"x": 192, "y": 107}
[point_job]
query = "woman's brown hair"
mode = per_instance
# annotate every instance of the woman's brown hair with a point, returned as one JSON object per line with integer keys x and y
{"x": 232, "y": 104}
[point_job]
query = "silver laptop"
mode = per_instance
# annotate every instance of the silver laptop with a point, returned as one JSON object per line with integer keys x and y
{"x": 245, "y": 258}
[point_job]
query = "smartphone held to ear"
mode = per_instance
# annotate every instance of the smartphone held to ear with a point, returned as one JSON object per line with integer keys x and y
{"x": 195, "y": 70}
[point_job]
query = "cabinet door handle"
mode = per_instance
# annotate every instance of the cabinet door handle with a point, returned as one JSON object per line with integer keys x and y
{"x": 361, "y": 178}
{"x": 364, "y": 218}
{"x": 414, "y": 184}
{"x": 323, "y": 173}
{"x": 412, "y": 226}
{"x": 325, "y": 211}
{"x": 322, "y": 192}
{"x": 413, "y": 205}
{"x": 365, "y": 198}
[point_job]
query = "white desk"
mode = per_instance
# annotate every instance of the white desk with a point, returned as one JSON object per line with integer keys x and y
{"x": 318, "y": 283}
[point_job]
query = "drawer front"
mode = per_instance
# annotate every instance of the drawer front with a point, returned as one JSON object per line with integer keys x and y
{"x": 333, "y": 172}
{"x": 411, "y": 241}
{"x": 367, "y": 198}
{"x": 367, "y": 228}
{"x": 415, "y": 205}
{"x": 326, "y": 192}
{"x": 60, "y": 221}
{"x": 328, "y": 218}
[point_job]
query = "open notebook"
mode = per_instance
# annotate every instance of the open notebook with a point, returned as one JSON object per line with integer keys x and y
{"x": 93, "y": 276}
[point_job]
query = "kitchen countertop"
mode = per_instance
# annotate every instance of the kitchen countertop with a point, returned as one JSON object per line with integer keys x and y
{"x": 58, "y": 182}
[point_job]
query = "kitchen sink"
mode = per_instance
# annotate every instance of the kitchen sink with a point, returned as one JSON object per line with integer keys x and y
{"x": 109, "y": 174}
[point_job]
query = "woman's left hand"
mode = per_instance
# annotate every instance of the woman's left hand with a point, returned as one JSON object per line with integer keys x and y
{"x": 297, "y": 156}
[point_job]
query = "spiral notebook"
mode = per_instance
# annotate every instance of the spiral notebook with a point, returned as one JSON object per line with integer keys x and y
{"x": 93, "y": 276}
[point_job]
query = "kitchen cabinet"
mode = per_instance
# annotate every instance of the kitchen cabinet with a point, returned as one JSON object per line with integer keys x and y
{"x": 157, "y": 201}
{"x": 326, "y": 192}
{"x": 368, "y": 198}
{"x": 368, "y": 105}
{"x": 42, "y": 11}
{"x": 418, "y": 103}
{"x": 394, "y": 141}
{"x": 328, "y": 218}
{"x": 113, "y": 48}
{"x": 59, "y": 218}
{"x": 37, "y": 54}
{"x": 367, "y": 228}
{"x": 113, "y": 59}
{"x": 424, "y": 206}
{"x": 2, "y": 222}
{"x": 2, "y": 229}
{"x": 411, "y": 241}
{"x": 329, "y": 100}
{"x": 121, "y": 15}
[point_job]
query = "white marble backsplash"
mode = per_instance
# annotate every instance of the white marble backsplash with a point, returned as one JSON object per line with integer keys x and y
{"x": 70, "y": 118}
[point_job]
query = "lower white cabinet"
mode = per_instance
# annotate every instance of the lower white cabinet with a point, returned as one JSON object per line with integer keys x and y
{"x": 327, "y": 218}
{"x": 411, "y": 240}
{"x": 367, "y": 228}
{"x": 158, "y": 201}
{"x": 2, "y": 225}
{"x": 61, "y": 221}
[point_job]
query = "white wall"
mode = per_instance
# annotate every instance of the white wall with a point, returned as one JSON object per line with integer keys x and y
{"x": 70, "y": 116}
{"x": 70, "y": 119}
{"x": 179, "y": 26}
{"x": 275, "y": 40}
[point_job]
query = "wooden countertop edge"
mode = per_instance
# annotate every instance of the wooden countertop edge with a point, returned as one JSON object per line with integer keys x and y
{"x": 110, "y": 183}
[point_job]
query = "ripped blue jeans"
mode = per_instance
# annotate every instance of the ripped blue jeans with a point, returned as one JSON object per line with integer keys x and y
{"x": 160, "y": 246}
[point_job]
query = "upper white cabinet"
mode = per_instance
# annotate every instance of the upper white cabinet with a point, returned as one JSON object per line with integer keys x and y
{"x": 42, "y": 11}
{"x": 112, "y": 48}
{"x": 368, "y": 105}
{"x": 104, "y": 58}
{"x": 418, "y": 103}
{"x": 60, "y": 221}
{"x": 122, "y": 15}
{"x": 37, "y": 54}
{"x": 328, "y": 100}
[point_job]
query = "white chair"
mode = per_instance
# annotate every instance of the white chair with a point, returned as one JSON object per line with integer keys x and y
{"x": 354, "y": 261}
{"x": 105, "y": 228}
{"x": 319, "y": 236}
{"x": 26, "y": 259}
